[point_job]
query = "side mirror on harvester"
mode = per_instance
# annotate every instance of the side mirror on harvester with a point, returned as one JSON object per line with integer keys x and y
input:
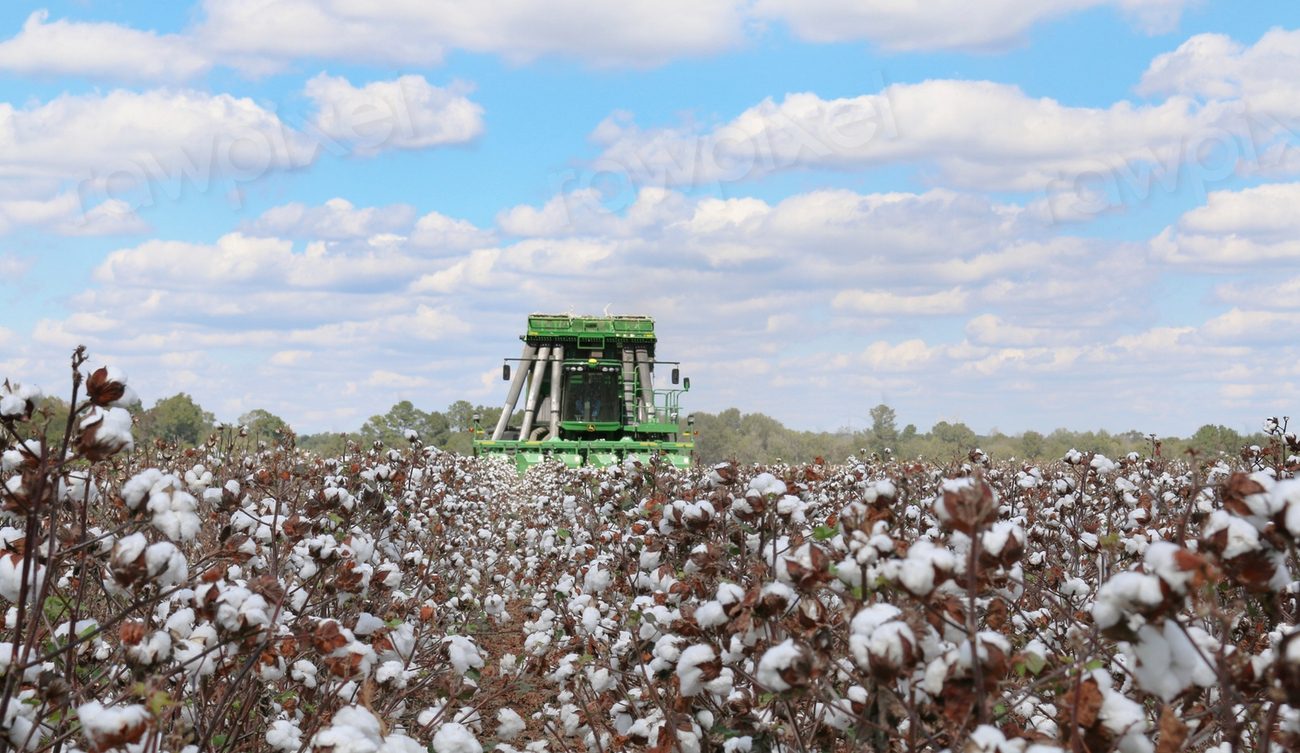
{"x": 686, "y": 384}
{"x": 505, "y": 372}
{"x": 677, "y": 375}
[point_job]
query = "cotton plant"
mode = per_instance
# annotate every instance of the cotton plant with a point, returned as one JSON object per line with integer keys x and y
{"x": 402, "y": 598}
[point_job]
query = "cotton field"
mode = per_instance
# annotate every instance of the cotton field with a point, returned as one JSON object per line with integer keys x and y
{"x": 240, "y": 597}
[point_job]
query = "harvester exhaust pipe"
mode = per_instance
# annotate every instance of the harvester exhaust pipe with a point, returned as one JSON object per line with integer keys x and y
{"x": 647, "y": 387}
{"x": 557, "y": 397}
{"x": 629, "y": 389}
{"x": 535, "y": 389}
{"x": 516, "y": 386}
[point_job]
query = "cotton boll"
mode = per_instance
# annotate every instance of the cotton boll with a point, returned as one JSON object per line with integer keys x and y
{"x": 17, "y": 401}
{"x": 765, "y": 484}
{"x": 284, "y": 735}
{"x": 353, "y": 728}
{"x": 596, "y": 580}
{"x": 304, "y": 671}
{"x": 11, "y": 577}
{"x": 783, "y": 666}
{"x": 155, "y": 648}
{"x": 1123, "y": 595}
{"x": 104, "y": 725}
{"x": 104, "y": 432}
{"x": 455, "y": 738}
{"x": 696, "y": 665}
{"x": 165, "y": 565}
{"x": 509, "y": 724}
{"x": 462, "y": 652}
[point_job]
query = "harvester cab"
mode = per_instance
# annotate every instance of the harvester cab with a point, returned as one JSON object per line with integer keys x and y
{"x": 588, "y": 396}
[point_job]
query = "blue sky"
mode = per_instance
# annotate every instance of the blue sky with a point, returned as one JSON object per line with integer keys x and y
{"x": 318, "y": 210}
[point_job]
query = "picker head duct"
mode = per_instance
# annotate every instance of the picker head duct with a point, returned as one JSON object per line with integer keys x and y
{"x": 589, "y": 398}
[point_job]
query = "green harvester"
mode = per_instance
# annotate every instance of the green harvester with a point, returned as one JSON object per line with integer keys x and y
{"x": 587, "y": 384}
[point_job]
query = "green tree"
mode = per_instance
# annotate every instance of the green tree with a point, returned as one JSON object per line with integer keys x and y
{"x": 1213, "y": 439}
{"x": 950, "y": 441}
{"x": 264, "y": 425}
{"x": 391, "y": 428}
{"x": 177, "y": 419}
{"x": 884, "y": 428}
{"x": 326, "y": 444}
{"x": 1032, "y": 444}
{"x": 460, "y": 415}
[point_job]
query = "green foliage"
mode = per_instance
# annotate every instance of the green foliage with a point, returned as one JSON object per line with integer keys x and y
{"x": 460, "y": 415}
{"x": 757, "y": 438}
{"x": 264, "y": 425}
{"x": 328, "y": 443}
{"x": 391, "y": 428}
{"x": 884, "y": 428}
{"x": 54, "y": 416}
{"x": 746, "y": 437}
{"x": 1213, "y": 439}
{"x": 177, "y": 419}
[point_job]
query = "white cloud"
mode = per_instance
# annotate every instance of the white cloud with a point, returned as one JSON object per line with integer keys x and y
{"x": 83, "y": 164}
{"x": 909, "y": 355}
{"x": 1236, "y": 229}
{"x": 1257, "y": 78}
{"x": 948, "y": 24}
{"x": 290, "y": 357}
{"x": 406, "y": 113}
{"x": 336, "y": 219}
{"x": 1215, "y": 66}
{"x": 65, "y": 214}
{"x": 133, "y": 137}
{"x": 1242, "y": 326}
{"x": 888, "y": 303}
{"x": 1270, "y": 293}
{"x": 99, "y": 50}
{"x": 978, "y": 134}
{"x": 251, "y": 263}
{"x": 13, "y": 267}
{"x": 1067, "y": 319}
{"x": 993, "y": 330}
{"x": 264, "y": 35}
{"x": 384, "y": 378}
{"x": 438, "y": 231}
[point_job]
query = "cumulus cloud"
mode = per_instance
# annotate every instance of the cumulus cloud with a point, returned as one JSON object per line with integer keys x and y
{"x": 134, "y": 135}
{"x": 948, "y": 24}
{"x": 323, "y": 287}
{"x": 99, "y": 50}
{"x": 336, "y": 219}
{"x": 406, "y": 113}
{"x": 438, "y": 231}
{"x": 1007, "y": 299}
{"x": 1236, "y": 229}
{"x": 83, "y": 164}
{"x": 1268, "y": 293}
{"x": 13, "y": 267}
{"x": 1244, "y": 326}
{"x": 977, "y": 134}
{"x": 1215, "y": 66}
{"x": 263, "y": 35}
{"x": 889, "y": 303}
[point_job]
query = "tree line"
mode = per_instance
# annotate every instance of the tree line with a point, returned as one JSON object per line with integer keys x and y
{"x": 759, "y": 438}
{"x": 730, "y": 434}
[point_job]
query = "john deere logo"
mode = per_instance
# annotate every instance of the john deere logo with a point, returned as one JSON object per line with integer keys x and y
{"x": 591, "y": 427}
